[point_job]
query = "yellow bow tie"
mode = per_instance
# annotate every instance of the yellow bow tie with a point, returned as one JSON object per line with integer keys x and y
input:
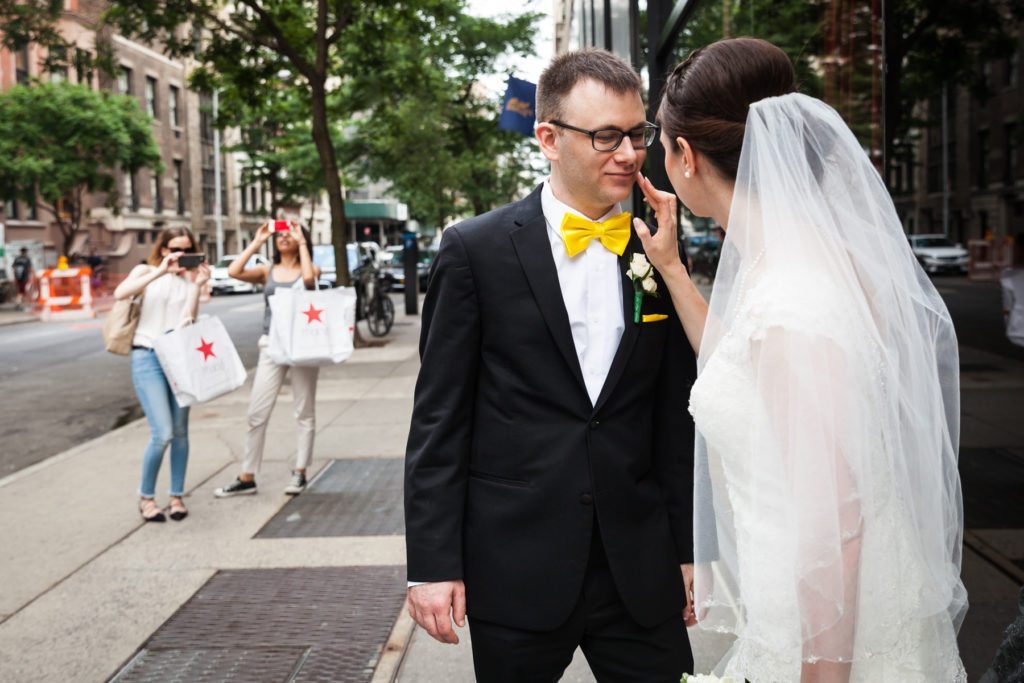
{"x": 612, "y": 233}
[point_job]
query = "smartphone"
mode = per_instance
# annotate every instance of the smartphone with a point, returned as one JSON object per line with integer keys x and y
{"x": 280, "y": 226}
{"x": 191, "y": 261}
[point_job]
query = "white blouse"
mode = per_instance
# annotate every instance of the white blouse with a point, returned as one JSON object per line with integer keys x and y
{"x": 165, "y": 306}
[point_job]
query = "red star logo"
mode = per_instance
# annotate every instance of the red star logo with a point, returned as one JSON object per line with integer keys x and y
{"x": 312, "y": 314}
{"x": 206, "y": 348}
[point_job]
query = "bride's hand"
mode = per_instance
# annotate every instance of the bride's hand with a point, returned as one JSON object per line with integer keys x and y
{"x": 662, "y": 248}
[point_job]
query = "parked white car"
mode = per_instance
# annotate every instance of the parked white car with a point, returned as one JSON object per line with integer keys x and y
{"x": 937, "y": 254}
{"x": 222, "y": 283}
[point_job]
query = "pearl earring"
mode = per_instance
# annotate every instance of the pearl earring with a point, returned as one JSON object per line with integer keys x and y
{"x": 687, "y": 174}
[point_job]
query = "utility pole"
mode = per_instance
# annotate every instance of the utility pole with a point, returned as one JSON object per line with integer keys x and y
{"x": 218, "y": 209}
{"x": 945, "y": 159}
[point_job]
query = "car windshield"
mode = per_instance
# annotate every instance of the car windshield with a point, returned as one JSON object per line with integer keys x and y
{"x": 933, "y": 242}
{"x": 323, "y": 256}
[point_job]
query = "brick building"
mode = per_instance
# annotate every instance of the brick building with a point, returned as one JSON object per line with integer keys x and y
{"x": 183, "y": 194}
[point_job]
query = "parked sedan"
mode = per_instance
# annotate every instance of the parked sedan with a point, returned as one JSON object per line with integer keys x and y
{"x": 222, "y": 283}
{"x": 392, "y": 259}
{"x": 937, "y": 254}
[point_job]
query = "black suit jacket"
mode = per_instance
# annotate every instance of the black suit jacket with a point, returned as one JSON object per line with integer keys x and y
{"x": 508, "y": 463}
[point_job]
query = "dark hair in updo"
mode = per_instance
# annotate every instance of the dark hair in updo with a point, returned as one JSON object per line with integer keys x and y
{"x": 706, "y": 97}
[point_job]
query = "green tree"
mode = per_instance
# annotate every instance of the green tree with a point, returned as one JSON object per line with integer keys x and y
{"x": 59, "y": 143}
{"x": 933, "y": 42}
{"x": 438, "y": 143}
{"x": 340, "y": 50}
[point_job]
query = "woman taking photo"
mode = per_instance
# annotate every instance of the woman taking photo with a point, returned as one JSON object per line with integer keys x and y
{"x": 170, "y": 298}
{"x": 292, "y": 263}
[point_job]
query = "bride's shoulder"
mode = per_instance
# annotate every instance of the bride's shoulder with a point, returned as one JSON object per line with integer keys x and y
{"x": 808, "y": 303}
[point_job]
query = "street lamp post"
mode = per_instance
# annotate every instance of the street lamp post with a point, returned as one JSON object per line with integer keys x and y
{"x": 218, "y": 209}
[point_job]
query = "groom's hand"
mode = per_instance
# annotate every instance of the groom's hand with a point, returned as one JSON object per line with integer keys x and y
{"x": 434, "y": 605}
{"x": 689, "y": 617}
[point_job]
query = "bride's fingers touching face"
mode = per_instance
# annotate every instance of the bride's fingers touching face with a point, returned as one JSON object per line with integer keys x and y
{"x": 661, "y": 248}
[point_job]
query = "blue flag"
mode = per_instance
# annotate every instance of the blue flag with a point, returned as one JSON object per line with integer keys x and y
{"x": 517, "y": 113}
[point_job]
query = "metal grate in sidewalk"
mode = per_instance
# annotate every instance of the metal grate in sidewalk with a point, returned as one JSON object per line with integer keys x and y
{"x": 276, "y": 625}
{"x": 348, "y": 498}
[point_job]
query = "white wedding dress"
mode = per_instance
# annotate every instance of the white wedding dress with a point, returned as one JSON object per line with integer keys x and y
{"x": 896, "y": 636}
{"x": 828, "y": 516}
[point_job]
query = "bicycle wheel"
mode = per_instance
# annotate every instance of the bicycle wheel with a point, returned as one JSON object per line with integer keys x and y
{"x": 381, "y": 315}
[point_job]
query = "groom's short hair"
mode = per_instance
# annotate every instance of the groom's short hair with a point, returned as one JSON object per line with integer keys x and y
{"x": 568, "y": 69}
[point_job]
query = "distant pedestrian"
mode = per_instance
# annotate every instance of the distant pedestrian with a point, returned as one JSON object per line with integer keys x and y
{"x": 292, "y": 263}
{"x": 24, "y": 273}
{"x": 170, "y": 298}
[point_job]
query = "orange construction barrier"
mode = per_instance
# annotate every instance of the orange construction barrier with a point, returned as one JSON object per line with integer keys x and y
{"x": 65, "y": 293}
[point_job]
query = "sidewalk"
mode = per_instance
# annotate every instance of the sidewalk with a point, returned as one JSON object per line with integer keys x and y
{"x": 264, "y": 588}
{"x": 10, "y": 315}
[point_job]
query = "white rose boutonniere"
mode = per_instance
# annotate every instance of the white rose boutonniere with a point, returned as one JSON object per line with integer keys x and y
{"x": 641, "y": 272}
{"x": 704, "y": 678}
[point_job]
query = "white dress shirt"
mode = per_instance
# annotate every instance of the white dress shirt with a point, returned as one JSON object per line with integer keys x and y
{"x": 592, "y": 291}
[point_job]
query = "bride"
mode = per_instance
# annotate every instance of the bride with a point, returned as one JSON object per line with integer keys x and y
{"x": 828, "y": 515}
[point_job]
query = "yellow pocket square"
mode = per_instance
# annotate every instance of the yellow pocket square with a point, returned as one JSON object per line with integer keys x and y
{"x": 654, "y": 317}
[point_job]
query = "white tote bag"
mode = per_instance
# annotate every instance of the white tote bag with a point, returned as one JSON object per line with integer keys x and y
{"x": 200, "y": 361}
{"x": 311, "y": 327}
{"x": 1013, "y": 304}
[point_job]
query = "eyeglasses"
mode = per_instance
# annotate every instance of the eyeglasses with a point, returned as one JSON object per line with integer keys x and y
{"x": 609, "y": 139}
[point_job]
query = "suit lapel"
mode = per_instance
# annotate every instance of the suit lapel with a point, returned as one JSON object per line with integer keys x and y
{"x": 631, "y": 330}
{"x": 533, "y": 249}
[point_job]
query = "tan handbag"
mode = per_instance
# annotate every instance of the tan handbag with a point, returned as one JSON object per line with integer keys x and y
{"x": 119, "y": 327}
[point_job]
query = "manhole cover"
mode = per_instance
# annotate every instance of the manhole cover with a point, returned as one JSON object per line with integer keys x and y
{"x": 256, "y": 625}
{"x": 349, "y": 498}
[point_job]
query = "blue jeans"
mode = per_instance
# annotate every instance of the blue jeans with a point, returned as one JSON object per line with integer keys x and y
{"x": 168, "y": 423}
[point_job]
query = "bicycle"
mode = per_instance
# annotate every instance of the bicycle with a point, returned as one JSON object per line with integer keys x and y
{"x": 375, "y": 306}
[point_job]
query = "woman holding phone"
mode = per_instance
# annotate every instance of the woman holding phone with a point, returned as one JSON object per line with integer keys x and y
{"x": 170, "y": 298}
{"x": 292, "y": 263}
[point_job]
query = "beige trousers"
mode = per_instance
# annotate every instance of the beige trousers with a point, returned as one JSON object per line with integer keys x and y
{"x": 266, "y": 384}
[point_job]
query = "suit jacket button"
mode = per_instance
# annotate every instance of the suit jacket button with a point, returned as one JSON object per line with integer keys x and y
{"x": 594, "y": 424}
{"x": 586, "y": 499}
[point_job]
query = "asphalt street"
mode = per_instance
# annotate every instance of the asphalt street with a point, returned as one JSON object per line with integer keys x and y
{"x": 60, "y": 388}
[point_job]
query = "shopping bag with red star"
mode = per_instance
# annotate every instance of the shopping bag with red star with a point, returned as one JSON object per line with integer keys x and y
{"x": 200, "y": 361}
{"x": 311, "y": 327}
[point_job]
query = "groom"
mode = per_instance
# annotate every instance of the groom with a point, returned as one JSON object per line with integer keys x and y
{"x": 549, "y": 467}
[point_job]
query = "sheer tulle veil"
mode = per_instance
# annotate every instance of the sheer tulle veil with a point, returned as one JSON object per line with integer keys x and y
{"x": 857, "y": 377}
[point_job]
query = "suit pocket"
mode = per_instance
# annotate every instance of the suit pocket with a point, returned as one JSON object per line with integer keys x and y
{"x": 495, "y": 479}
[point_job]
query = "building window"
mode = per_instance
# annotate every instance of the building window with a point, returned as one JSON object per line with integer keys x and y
{"x": 83, "y": 69}
{"x": 151, "y": 96}
{"x": 172, "y": 106}
{"x": 179, "y": 188}
{"x": 983, "y": 159}
{"x": 154, "y": 188}
{"x": 1010, "y": 154}
{"x": 124, "y": 81}
{"x": 21, "y": 70}
{"x": 253, "y": 205}
{"x": 245, "y": 202}
{"x": 11, "y": 210}
{"x": 32, "y": 214}
{"x": 58, "y": 64}
{"x": 130, "y": 191}
{"x": 140, "y": 236}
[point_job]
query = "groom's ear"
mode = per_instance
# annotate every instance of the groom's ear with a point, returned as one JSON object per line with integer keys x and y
{"x": 547, "y": 136}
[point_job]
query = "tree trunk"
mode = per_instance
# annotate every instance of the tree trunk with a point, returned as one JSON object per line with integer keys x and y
{"x": 325, "y": 149}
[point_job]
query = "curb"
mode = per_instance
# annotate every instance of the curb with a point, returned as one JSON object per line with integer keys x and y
{"x": 389, "y": 665}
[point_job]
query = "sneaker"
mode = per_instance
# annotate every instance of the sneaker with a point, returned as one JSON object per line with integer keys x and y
{"x": 297, "y": 485}
{"x": 236, "y": 488}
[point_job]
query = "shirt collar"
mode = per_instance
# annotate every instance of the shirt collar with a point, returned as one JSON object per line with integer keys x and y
{"x": 554, "y": 210}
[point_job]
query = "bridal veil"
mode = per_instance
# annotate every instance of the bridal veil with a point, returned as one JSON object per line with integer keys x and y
{"x": 854, "y": 366}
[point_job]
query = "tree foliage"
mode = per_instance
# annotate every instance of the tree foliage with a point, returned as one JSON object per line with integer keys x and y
{"x": 339, "y": 57}
{"x": 35, "y": 22}
{"x": 437, "y": 142}
{"x": 61, "y": 142}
